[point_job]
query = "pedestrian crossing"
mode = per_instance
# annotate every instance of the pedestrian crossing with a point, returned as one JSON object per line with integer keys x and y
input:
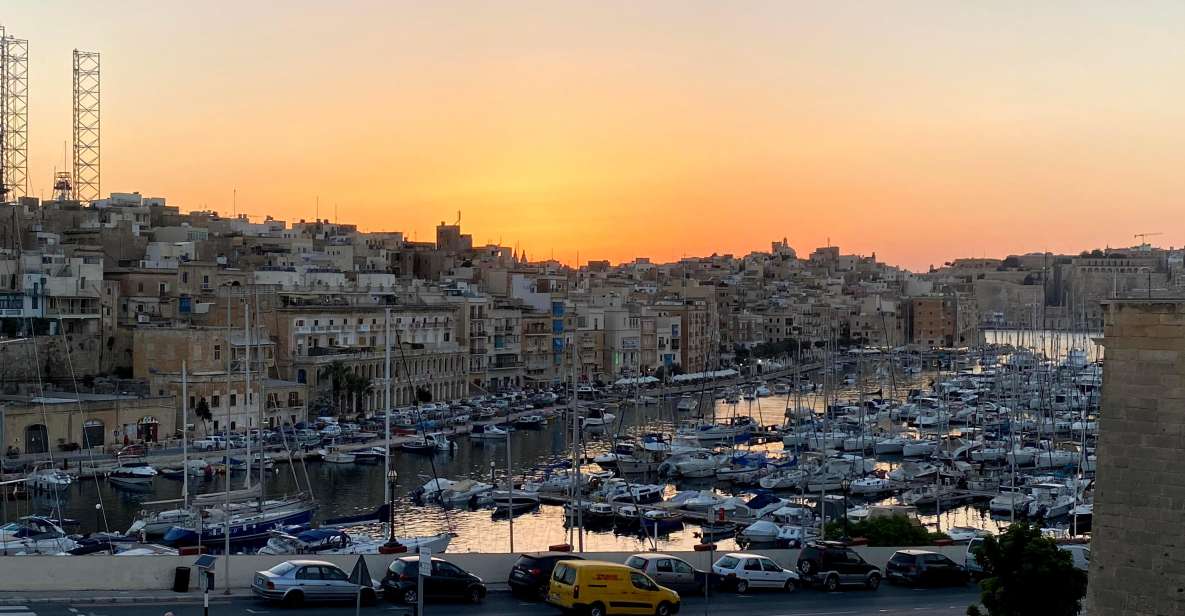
{"x": 16, "y": 610}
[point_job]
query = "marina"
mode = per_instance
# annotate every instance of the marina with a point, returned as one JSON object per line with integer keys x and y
{"x": 953, "y": 448}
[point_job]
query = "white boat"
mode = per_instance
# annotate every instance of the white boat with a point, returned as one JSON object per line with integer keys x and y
{"x": 703, "y": 502}
{"x": 597, "y": 418}
{"x": 132, "y": 476}
{"x": 761, "y": 531}
{"x": 46, "y": 478}
{"x": 889, "y": 445}
{"x": 870, "y": 485}
{"x": 333, "y": 455}
{"x": 914, "y": 448}
{"x": 487, "y": 432}
{"x": 34, "y": 535}
{"x": 783, "y": 479}
{"x": 687, "y": 404}
{"x": 963, "y": 534}
{"x": 762, "y": 391}
{"x": 1009, "y": 502}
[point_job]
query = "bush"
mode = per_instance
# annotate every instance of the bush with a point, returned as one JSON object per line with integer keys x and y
{"x": 892, "y": 531}
{"x": 1027, "y": 574}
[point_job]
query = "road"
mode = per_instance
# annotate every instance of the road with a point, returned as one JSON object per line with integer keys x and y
{"x": 888, "y": 601}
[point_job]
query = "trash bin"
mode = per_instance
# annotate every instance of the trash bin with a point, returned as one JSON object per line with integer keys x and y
{"x": 181, "y": 579}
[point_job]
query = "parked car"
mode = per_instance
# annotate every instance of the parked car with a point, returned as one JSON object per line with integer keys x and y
{"x": 209, "y": 443}
{"x": 925, "y": 568}
{"x": 670, "y": 572}
{"x": 970, "y": 563}
{"x": 135, "y": 450}
{"x": 1080, "y": 553}
{"x": 598, "y": 588}
{"x": 832, "y": 564}
{"x": 740, "y": 572}
{"x": 531, "y": 573}
{"x": 293, "y": 582}
{"x": 446, "y": 582}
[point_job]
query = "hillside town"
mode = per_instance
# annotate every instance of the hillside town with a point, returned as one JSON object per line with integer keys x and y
{"x": 104, "y": 304}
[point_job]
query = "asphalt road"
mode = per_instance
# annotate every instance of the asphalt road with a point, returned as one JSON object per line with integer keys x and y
{"x": 888, "y": 601}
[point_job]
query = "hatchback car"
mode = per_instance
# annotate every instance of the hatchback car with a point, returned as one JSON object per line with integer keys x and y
{"x": 295, "y": 581}
{"x": 446, "y": 582}
{"x": 530, "y": 574}
{"x": 670, "y": 572}
{"x": 921, "y": 567}
{"x": 741, "y": 572}
{"x": 832, "y": 564}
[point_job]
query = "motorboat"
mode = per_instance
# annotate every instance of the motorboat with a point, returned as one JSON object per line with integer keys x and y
{"x": 34, "y": 535}
{"x": 450, "y": 492}
{"x": 514, "y": 502}
{"x": 132, "y": 472}
{"x": 46, "y": 478}
{"x": 1009, "y": 502}
{"x": 332, "y": 541}
{"x": 596, "y": 418}
{"x": 694, "y": 463}
{"x": 870, "y": 485}
{"x": 618, "y": 490}
{"x": 370, "y": 455}
{"x": 487, "y": 432}
{"x": 761, "y": 531}
{"x": 964, "y": 534}
{"x": 687, "y": 403}
{"x": 429, "y": 443}
{"x": 661, "y": 521}
{"x": 708, "y": 433}
{"x": 1050, "y": 500}
{"x": 530, "y": 422}
{"x": 704, "y": 502}
{"x": 333, "y": 455}
{"x": 783, "y": 479}
{"x": 793, "y": 537}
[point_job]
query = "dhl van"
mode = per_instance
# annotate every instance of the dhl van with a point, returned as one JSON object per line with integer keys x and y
{"x": 598, "y": 588}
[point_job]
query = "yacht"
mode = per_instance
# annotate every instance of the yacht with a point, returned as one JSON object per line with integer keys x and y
{"x": 132, "y": 472}
{"x": 34, "y": 535}
{"x": 687, "y": 403}
{"x": 333, "y": 455}
{"x": 46, "y": 478}
{"x": 487, "y": 432}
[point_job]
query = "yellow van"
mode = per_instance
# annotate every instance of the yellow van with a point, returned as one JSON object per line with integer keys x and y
{"x": 598, "y": 588}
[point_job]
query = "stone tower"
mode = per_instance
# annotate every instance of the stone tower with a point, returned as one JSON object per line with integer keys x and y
{"x": 1138, "y": 548}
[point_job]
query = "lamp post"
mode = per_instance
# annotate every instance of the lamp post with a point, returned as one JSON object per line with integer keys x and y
{"x": 392, "y": 546}
{"x": 98, "y": 517}
{"x": 845, "y": 485}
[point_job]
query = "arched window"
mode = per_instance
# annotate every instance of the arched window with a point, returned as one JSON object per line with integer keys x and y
{"x": 93, "y": 434}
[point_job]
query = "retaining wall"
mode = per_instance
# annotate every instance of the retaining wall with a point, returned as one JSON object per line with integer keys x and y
{"x": 72, "y": 573}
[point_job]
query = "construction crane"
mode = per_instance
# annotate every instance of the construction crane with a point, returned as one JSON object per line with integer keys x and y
{"x": 1144, "y": 236}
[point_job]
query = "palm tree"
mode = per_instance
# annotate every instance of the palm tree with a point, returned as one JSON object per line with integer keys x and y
{"x": 338, "y": 375}
{"x": 356, "y": 385}
{"x": 203, "y": 413}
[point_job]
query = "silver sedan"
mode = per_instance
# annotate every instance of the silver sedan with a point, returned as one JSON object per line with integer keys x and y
{"x": 295, "y": 581}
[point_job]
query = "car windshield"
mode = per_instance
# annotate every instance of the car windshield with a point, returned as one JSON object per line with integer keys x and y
{"x": 282, "y": 569}
{"x": 637, "y": 562}
{"x": 564, "y": 574}
{"x": 399, "y": 566}
{"x": 526, "y": 561}
{"x": 727, "y": 562}
{"x": 901, "y": 558}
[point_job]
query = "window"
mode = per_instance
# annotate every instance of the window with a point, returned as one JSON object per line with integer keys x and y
{"x": 564, "y": 574}
{"x": 770, "y": 565}
{"x": 333, "y": 573}
{"x": 752, "y": 564}
{"x": 664, "y": 566}
{"x": 309, "y": 573}
{"x": 233, "y": 400}
{"x": 217, "y": 353}
{"x": 642, "y": 582}
{"x": 680, "y": 566}
{"x": 637, "y": 562}
{"x": 216, "y": 400}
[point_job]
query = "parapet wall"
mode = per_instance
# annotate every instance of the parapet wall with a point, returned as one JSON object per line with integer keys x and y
{"x": 75, "y": 573}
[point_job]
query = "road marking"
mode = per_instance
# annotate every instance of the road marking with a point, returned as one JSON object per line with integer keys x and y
{"x": 14, "y": 608}
{"x": 257, "y": 612}
{"x": 73, "y": 609}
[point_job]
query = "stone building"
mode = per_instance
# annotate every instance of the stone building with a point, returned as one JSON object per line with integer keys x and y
{"x": 59, "y": 421}
{"x": 1137, "y": 567}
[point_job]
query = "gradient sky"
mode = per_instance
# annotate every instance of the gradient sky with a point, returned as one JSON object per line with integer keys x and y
{"x": 923, "y": 131}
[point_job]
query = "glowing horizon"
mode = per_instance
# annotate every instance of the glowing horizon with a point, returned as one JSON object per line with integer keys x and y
{"x": 922, "y": 131}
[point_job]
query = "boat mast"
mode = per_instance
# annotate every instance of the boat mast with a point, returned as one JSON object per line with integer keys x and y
{"x": 387, "y": 413}
{"x": 184, "y": 436}
{"x": 247, "y": 394}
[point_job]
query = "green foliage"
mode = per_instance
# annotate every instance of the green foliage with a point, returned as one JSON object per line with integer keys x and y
{"x": 1026, "y": 574}
{"x": 891, "y": 531}
{"x": 766, "y": 350}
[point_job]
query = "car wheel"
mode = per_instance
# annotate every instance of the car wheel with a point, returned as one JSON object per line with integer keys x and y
{"x": 663, "y": 609}
{"x": 832, "y": 583}
{"x": 476, "y": 595}
{"x": 874, "y": 581}
{"x": 368, "y": 597}
{"x": 789, "y": 586}
{"x": 742, "y": 586}
{"x": 807, "y": 567}
{"x": 293, "y": 599}
{"x": 596, "y": 609}
{"x": 410, "y": 596}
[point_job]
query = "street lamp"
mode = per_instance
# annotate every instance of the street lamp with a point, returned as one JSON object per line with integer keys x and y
{"x": 392, "y": 546}
{"x": 845, "y": 485}
{"x": 493, "y": 467}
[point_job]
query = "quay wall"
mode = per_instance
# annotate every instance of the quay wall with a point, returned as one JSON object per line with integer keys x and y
{"x": 79, "y": 573}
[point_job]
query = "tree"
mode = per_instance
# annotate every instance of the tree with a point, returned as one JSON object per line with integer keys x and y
{"x": 1027, "y": 574}
{"x": 338, "y": 375}
{"x": 203, "y": 412}
{"x": 660, "y": 373}
{"x": 355, "y": 387}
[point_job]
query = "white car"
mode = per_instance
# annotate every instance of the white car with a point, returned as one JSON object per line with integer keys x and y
{"x": 742, "y": 571}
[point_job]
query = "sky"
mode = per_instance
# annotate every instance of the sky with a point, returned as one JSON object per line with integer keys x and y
{"x": 919, "y": 130}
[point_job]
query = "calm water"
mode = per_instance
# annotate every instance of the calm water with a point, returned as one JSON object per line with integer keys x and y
{"x": 351, "y": 489}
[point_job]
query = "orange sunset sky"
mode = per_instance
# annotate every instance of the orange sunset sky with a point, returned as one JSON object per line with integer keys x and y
{"x": 923, "y": 131}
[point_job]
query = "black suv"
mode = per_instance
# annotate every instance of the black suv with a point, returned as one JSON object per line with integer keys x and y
{"x": 832, "y": 564}
{"x": 922, "y": 567}
{"x": 531, "y": 573}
